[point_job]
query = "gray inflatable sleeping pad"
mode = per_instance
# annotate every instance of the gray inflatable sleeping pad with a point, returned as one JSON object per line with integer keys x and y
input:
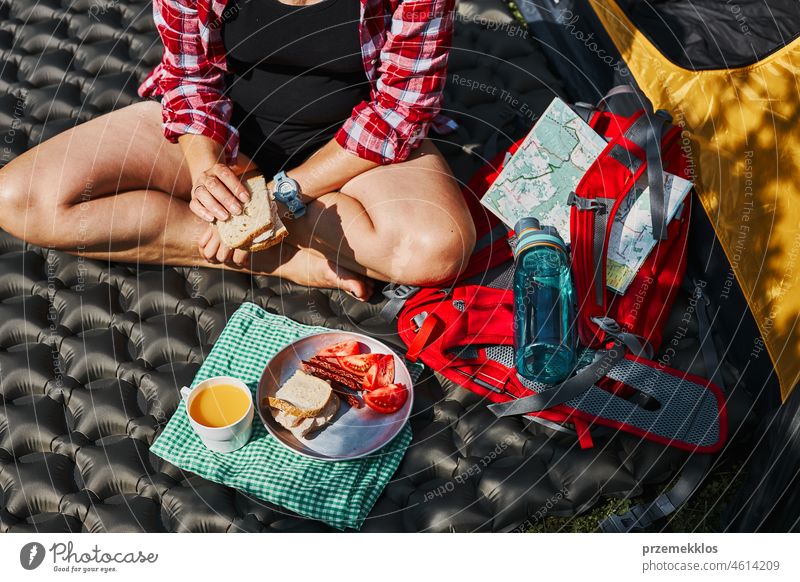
{"x": 92, "y": 355}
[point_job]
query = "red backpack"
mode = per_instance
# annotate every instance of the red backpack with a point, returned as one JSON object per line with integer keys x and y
{"x": 463, "y": 329}
{"x": 640, "y": 148}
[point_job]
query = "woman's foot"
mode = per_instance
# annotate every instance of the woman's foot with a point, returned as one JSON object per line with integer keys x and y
{"x": 298, "y": 265}
{"x": 307, "y": 268}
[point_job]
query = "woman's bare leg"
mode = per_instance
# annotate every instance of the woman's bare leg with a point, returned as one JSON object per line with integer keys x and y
{"x": 115, "y": 189}
{"x": 102, "y": 190}
{"x": 103, "y": 186}
{"x": 405, "y": 222}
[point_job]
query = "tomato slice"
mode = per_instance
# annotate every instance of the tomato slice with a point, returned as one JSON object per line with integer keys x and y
{"x": 387, "y": 399}
{"x": 348, "y": 348}
{"x": 358, "y": 364}
{"x": 380, "y": 374}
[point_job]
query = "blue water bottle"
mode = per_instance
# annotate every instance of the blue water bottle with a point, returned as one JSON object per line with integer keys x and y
{"x": 544, "y": 309}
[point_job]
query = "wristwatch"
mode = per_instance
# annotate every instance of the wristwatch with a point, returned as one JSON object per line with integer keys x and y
{"x": 287, "y": 192}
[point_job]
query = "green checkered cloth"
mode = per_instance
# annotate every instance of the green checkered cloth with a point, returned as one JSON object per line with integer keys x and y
{"x": 339, "y": 493}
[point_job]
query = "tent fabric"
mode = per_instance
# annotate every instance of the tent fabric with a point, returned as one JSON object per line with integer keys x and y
{"x": 741, "y": 135}
{"x": 577, "y": 47}
{"x": 715, "y": 34}
{"x": 769, "y": 499}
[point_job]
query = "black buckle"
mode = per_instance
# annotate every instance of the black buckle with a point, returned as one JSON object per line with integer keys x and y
{"x": 572, "y": 199}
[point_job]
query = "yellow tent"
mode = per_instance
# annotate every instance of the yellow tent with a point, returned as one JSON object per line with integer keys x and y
{"x": 742, "y": 133}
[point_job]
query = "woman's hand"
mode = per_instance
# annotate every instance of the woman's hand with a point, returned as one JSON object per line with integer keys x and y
{"x": 217, "y": 190}
{"x": 218, "y": 193}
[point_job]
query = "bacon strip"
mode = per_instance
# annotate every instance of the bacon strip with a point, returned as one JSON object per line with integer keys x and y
{"x": 334, "y": 366}
{"x": 327, "y": 371}
{"x": 342, "y": 381}
{"x": 344, "y": 393}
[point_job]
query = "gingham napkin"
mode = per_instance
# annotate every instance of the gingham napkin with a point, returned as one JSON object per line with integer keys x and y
{"x": 339, "y": 493}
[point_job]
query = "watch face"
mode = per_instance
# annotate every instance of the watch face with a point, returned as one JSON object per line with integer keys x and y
{"x": 285, "y": 187}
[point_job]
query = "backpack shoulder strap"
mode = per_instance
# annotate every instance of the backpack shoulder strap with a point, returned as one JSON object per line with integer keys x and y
{"x": 567, "y": 390}
{"x": 697, "y": 465}
{"x": 653, "y": 125}
{"x": 646, "y": 514}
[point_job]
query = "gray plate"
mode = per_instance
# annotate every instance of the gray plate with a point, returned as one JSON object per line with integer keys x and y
{"x": 352, "y": 433}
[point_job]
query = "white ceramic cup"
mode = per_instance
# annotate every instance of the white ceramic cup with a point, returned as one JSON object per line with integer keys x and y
{"x": 224, "y": 439}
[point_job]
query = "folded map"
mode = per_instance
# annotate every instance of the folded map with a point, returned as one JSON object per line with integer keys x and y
{"x": 548, "y": 165}
{"x": 631, "y": 237}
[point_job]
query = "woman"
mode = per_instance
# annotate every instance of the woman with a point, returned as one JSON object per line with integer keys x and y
{"x": 338, "y": 93}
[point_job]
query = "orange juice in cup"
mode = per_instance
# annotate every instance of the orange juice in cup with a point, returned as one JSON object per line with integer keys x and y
{"x": 221, "y": 411}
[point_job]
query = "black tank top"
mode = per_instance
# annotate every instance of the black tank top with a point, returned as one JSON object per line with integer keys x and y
{"x": 296, "y": 71}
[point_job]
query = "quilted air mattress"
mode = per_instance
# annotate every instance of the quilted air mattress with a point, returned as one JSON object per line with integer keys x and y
{"x": 92, "y": 354}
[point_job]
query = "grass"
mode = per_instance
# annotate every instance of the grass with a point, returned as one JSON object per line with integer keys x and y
{"x": 701, "y": 514}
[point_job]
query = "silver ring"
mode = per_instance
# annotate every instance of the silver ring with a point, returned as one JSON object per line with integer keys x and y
{"x": 196, "y": 187}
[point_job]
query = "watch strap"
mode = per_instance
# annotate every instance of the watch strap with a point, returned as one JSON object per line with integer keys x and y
{"x": 289, "y": 197}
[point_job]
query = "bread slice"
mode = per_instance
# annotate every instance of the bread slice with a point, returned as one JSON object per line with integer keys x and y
{"x": 302, "y": 427}
{"x": 259, "y": 219}
{"x": 302, "y": 396}
{"x": 272, "y": 236}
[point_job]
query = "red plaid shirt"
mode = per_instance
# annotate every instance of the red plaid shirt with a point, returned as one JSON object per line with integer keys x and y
{"x": 404, "y": 44}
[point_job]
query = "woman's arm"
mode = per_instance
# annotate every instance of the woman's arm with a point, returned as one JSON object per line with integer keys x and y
{"x": 196, "y": 111}
{"x": 190, "y": 77}
{"x": 330, "y": 168}
{"x": 385, "y": 130}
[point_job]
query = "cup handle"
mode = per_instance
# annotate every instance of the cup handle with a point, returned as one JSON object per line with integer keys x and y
{"x": 185, "y": 391}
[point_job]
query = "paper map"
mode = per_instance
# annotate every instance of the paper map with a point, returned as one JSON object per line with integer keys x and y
{"x": 548, "y": 165}
{"x": 545, "y": 169}
{"x": 631, "y": 237}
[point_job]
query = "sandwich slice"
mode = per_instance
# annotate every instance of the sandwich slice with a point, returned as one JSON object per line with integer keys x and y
{"x": 259, "y": 225}
{"x": 304, "y": 404}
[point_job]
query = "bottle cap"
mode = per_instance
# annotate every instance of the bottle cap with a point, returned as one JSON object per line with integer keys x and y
{"x": 530, "y": 232}
{"x": 525, "y": 223}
